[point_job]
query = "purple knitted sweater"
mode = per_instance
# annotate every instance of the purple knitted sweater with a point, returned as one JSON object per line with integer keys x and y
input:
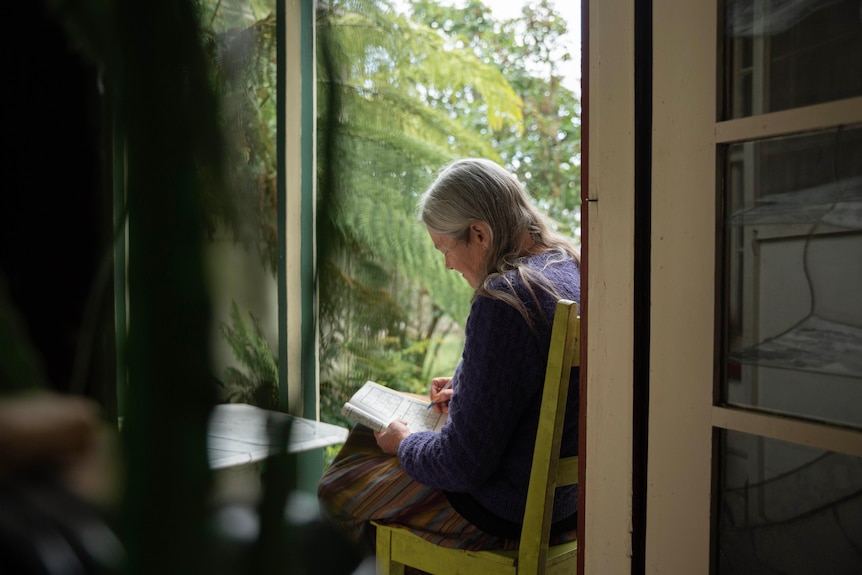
{"x": 485, "y": 449}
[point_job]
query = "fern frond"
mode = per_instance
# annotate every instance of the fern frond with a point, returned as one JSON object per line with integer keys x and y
{"x": 251, "y": 350}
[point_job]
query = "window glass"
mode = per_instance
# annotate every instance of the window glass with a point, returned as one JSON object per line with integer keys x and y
{"x": 787, "y": 509}
{"x": 793, "y": 245}
{"x": 242, "y": 224}
{"x": 785, "y": 54}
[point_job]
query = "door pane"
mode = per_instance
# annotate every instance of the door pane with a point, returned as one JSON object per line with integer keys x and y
{"x": 787, "y": 509}
{"x": 784, "y": 54}
{"x": 793, "y": 244}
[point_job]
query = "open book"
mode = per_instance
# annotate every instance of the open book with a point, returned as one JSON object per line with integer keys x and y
{"x": 374, "y": 406}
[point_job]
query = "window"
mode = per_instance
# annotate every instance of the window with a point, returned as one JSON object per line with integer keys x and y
{"x": 755, "y": 427}
{"x": 792, "y": 243}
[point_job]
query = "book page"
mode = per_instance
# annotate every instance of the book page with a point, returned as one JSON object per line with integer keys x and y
{"x": 375, "y": 421}
{"x": 375, "y": 406}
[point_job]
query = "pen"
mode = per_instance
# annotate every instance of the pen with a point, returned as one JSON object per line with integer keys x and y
{"x": 447, "y": 386}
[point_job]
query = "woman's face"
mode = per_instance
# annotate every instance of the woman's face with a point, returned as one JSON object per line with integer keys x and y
{"x": 468, "y": 258}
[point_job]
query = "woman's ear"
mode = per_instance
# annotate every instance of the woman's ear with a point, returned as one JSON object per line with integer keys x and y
{"x": 481, "y": 233}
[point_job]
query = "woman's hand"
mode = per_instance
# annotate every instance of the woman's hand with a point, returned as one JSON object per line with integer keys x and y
{"x": 440, "y": 396}
{"x": 390, "y": 438}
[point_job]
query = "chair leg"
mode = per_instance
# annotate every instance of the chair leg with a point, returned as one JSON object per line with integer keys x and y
{"x": 385, "y": 564}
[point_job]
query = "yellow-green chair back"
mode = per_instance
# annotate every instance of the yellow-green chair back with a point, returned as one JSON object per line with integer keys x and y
{"x": 398, "y": 547}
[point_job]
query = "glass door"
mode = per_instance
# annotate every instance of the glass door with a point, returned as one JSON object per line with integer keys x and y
{"x": 755, "y": 370}
{"x": 791, "y": 238}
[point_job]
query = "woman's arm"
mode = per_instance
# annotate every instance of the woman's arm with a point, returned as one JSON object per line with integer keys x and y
{"x": 494, "y": 384}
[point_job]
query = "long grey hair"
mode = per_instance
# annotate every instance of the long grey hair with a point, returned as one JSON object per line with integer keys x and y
{"x": 474, "y": 189}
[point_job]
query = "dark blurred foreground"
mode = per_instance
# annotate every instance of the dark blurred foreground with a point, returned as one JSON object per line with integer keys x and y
{"x": 100, "y": 93}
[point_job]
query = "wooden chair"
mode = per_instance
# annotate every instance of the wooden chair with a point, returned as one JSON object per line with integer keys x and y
{"x": 398, "y": 547}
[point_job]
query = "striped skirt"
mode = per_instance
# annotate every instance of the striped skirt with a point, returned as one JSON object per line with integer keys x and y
{"x": 363, "y": 484}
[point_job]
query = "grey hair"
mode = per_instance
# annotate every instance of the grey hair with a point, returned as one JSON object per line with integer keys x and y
{"x": 472, "y": 189}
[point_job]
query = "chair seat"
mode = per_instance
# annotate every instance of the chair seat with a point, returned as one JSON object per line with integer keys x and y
{"x": 404, "y": 546}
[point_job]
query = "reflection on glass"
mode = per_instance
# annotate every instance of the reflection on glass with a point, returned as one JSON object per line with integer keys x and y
{"x": 787, "y": 509}
{"x": 793, "y": 242}
{"x": 242, "y": 248}
{"x": 241, "y": 41}
{"x": 784, "y": 54}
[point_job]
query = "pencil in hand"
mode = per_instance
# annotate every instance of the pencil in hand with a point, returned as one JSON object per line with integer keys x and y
{"x": 447, "y": 386}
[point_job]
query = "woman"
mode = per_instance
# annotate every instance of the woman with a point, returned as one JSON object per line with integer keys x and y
{"x": 466, "y": 486}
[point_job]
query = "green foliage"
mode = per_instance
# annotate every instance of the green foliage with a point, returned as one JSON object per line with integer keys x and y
{"x": 546, "y": 155}
{"x": 258, "y": 383}
{"x": 398, "y": 97}
{"x": 240, "y": 41}
{"x": 544, "y": 149}
{"x": 383, "y": 286}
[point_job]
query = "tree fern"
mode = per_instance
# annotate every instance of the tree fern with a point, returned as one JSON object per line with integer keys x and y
{"x": 257, "y": 383}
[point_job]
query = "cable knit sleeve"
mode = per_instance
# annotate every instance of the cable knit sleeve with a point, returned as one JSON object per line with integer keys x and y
{"x": 496, "y": 383}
